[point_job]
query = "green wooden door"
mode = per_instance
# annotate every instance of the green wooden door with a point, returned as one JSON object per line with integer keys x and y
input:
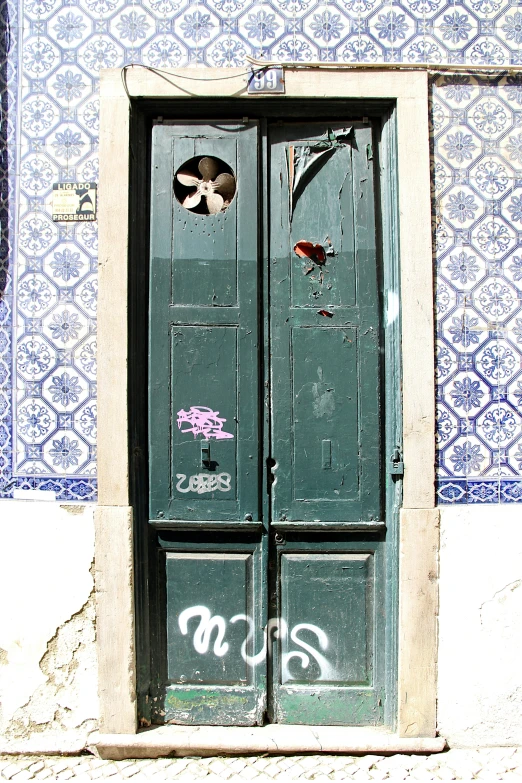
{"x": 265, "y": 426}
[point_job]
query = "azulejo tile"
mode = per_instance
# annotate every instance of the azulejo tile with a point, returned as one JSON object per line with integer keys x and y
{"x": 463, "y": 269}
{"x": 508, "y": 26}
{"x": 297, "y": 49}
{"x": 134, "y": 27}
{"x": 101, "y": 52}
{"x": 69, "y": 26}
{"x": 487, "y": 51}
{"x": 500, "y": 426}
{"x": 163, "y": 52}
{"x": 476, "y": 121}
{"x": 454, "y": 28}
{"x": 490, "y": 364}
{"x": 425, "y": 50}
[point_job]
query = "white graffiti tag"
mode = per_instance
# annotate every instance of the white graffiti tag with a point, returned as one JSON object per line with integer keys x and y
{"x": 276, "y": 628}
{"x": 200, "y": 420}
{"x": 326, "y": 670}
{"x": 204, "y": 630}
{"x": 204, "y": 482}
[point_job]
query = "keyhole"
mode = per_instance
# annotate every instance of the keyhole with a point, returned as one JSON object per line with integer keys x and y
{"x": 270, "y": 478}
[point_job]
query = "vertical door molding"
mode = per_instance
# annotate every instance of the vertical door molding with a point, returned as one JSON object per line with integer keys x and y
{"x": 113, "y": 553}
{"x": 417, "y": 637}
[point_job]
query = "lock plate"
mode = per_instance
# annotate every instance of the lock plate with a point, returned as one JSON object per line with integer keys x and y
{"x": 396, "y": 463}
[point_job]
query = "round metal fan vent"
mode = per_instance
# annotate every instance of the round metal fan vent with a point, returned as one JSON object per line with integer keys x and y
{"x": 205, "y": 185}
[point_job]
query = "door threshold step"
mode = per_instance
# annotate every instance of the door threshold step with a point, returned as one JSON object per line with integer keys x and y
{"x": 276, "y": 739}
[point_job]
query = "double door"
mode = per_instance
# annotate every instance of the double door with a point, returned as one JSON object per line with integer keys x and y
{"x": 266, "y": 425}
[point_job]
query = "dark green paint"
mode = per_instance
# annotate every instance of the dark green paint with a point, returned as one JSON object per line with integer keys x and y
{"x": 204, "y": 678}
{"x": 336, "y": 584}
{"x": 392, "y": 382}
{"x": 325, "y": 334}
{"x": 321, "y": 399}
{"x": 203, "y": 327}
{"x": 222, "y": 583}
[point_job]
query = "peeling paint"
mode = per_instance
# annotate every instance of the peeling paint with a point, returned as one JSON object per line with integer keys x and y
{"x": 323, "y": 398}
{"x": 48, "y": 687}
{"x": 67, "y": 699}
{"x": 74, "y": 509}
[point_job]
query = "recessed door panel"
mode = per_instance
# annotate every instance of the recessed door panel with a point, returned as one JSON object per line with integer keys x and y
{"x": 205, "y": 411}
{"x": 325, "y": 426}
{"x": 212, "y": 654}
{"x": 324, "y": 188}
{"x": 327, "y": 602}
{"x": 330, "y": 651}
{"x": 204, "y": 589}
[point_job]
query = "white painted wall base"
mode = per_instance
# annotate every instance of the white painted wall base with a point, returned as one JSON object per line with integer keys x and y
{"x": 48, "y": 671}
{"x": 480, "y": 626}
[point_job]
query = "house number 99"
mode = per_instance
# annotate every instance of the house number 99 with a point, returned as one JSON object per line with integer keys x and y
{"x": 267, "y": 80}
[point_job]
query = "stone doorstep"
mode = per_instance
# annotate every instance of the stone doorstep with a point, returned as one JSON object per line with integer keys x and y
{"x": 277, "y": 739}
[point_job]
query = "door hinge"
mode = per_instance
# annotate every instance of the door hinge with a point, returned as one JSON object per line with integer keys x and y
{"x": 397, "y": 465}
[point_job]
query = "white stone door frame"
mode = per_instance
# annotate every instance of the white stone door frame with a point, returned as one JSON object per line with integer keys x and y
{"x": 418, "y": 560}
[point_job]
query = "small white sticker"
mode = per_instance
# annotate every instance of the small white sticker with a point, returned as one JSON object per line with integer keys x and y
{"x": 74, "y": 202}
{"x": 33, "y": 494}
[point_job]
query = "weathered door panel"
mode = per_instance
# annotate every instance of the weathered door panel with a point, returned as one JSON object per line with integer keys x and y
{"x": 204, "y": 368}
{"x": 329, "y": 659}
{"x": 324, "y": 327}
{"x": 194, "y": 351}
{"x": 328, "y": 665}
{"x": 204, "y": 425}
{"x": 213, "y": 619}
{"x": 325, "y": 393}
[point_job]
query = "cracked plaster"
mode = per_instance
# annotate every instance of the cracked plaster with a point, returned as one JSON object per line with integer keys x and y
{"x": 48, "y": 688}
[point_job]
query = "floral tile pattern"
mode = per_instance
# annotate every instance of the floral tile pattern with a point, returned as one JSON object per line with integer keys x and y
{"x": 477, "y": 180}
{"x": 8, "y": 107}
{"x": 50, "y": 63}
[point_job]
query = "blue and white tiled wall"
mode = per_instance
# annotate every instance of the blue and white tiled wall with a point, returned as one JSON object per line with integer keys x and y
{"x": 477, "y": 175}
{"x": 51, "y": 52}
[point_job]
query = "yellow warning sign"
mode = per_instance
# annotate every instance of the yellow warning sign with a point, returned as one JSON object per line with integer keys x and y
{"x": 74, "y": 201}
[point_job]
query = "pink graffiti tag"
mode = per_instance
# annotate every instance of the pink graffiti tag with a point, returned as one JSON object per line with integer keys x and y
{"x": 202, "y": 421}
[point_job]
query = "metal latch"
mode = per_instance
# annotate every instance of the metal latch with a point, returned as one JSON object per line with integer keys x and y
{"x": 205, "y": 455}
{"x": 397, "y": 465}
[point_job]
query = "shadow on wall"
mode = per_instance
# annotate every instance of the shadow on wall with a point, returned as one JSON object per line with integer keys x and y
{"x": 5, "y": 46}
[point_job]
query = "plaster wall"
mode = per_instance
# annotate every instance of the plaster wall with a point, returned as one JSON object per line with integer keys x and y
{"x": 480, "y": 626}
{"x": 48, "y": 669}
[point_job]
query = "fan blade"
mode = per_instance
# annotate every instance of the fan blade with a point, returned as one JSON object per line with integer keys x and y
{"x": 192, "y": 200}
{"x": 208, "y": 168}
{"x": 225, "y": 184}
{"x": 187, "y": 179}
{"x": 215, "y": 203}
